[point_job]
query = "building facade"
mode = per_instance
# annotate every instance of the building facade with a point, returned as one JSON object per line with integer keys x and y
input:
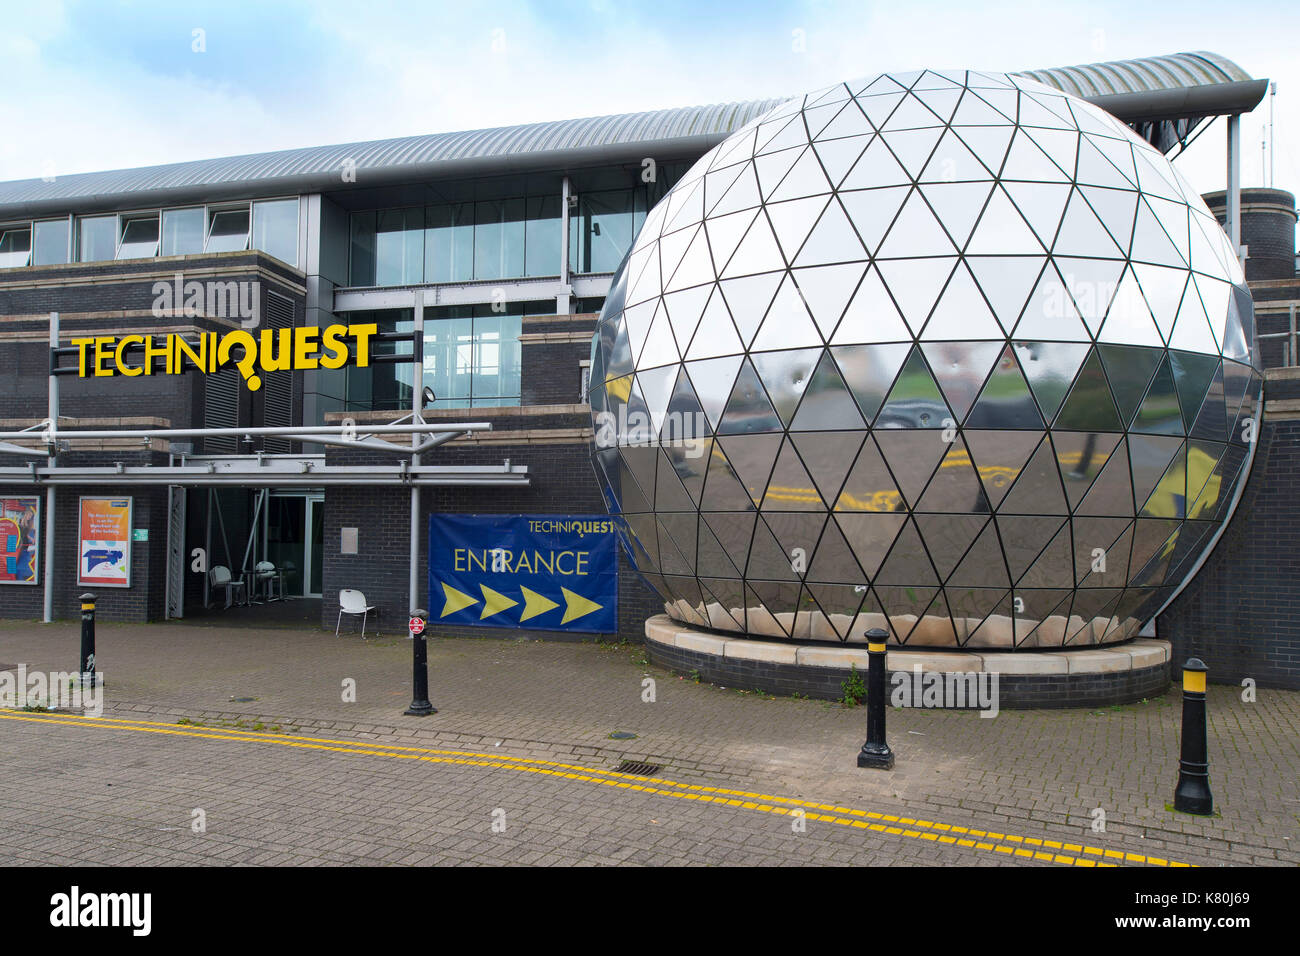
{"x": 499, "y": 245}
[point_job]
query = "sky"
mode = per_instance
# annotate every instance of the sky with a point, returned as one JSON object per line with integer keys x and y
{"x": 108, "y": 84}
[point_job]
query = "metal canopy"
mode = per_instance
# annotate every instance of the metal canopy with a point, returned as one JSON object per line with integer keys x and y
{"x": 1164, "y": 98}
{"x": 270, "y": 471}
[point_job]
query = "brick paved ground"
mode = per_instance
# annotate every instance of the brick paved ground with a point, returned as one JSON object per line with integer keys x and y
{"x": 1038, "y": 774}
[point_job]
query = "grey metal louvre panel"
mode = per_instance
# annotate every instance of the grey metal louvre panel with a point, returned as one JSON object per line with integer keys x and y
{"x": 221, "y": 408}
{"x": 277, "y": 387}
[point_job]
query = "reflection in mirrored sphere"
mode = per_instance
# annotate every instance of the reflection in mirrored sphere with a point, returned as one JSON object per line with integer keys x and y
{"x": 953, "y": 354}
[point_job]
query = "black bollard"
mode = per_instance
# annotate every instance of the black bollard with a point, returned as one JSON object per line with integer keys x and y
{"x": 1192, "y": 795}
{"x": 88, "y": 677}
{"x": 420, "y": 706}
{"x": 875, "y": 752}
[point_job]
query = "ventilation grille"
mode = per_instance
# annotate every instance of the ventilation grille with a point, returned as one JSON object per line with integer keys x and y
{"x": 277, "y": 387}
{"x": 221, "y": 408}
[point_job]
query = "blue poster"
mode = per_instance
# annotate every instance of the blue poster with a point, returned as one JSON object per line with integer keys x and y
{"x": 548, "y": 572}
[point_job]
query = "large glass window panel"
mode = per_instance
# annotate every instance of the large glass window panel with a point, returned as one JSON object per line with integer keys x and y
{"x": 542, "y": 235}
{"x": 601, "y": 234}
{"x": 15, "y": 247}
{"x": 399, "y": 246}
{"x": 449, "y": 358}
{"x": 182, "y": 231}
{"x": 499, "y": 239}
{"x": 97, "y": 238}
{"x": 275, "y": 229}
{"x": 362, "y": 270}
{"x": 139, "y": 238}
{"x": 50, "y": 242}
{"x": 449, "y": 243}
{"x": 496, "y": 359}
{"x": 228, "y": 231}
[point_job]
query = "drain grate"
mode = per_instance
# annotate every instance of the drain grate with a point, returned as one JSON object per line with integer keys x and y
{"x": 638, "y": 769}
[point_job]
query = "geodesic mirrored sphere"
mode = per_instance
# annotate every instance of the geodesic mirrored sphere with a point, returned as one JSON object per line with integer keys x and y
{"x": 954, "y": 354}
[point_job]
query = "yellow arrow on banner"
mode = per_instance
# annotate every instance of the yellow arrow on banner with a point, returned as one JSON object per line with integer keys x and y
{"x": 535, "y": 604}
{"x": 456, "y": 600}
{"x": 576, "y": 606}
{"x": 494, "y": 602}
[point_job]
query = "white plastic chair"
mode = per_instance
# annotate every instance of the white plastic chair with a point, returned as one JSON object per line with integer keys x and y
{"x": 220, "y": 577}
{"x": 270, "y": 579}
{"x": 353, "y": 602}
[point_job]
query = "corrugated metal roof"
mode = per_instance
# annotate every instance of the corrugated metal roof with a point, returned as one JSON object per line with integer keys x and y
{"x": 1175, "y": 71}
{"x": 562, "y": 136}
{"x": 478, "y": 152}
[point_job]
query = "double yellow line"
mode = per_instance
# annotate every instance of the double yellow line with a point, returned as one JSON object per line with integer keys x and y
{"x": 1008, "y": 844}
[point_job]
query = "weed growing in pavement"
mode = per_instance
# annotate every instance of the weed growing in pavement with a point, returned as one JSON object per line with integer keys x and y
{"x": 854, "y": 691}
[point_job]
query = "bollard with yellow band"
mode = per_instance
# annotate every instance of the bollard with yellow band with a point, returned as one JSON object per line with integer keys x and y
{"x": 1192, "y": 795}
{"x": 88, "y": 676}
{"x": 875, "y": 752}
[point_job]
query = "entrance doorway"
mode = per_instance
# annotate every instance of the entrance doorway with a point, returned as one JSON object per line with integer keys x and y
{"x": 295, "y": 531}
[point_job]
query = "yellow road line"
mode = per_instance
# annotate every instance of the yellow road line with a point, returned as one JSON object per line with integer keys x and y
{"x": 1091, "y": 856}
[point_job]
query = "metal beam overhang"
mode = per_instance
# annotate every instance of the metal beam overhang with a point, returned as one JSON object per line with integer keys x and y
{"x": 282, "y": 473}
{"x": 1218, "y": 99}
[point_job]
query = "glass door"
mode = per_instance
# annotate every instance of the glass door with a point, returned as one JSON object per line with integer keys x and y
{"x": 315, "y": 545}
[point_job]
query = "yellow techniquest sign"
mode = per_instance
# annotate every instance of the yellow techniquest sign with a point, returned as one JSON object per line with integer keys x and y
{"x": 270, "y": 350}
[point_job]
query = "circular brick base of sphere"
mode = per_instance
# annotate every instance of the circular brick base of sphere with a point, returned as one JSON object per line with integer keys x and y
{"x": 1087, "y": 677}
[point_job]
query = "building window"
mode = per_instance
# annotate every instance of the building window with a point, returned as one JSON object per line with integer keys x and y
{"x": 542, "y": 236}
{"x": 96, "y": 238}
{"x": 471, "y": 358}
{"x": 399, "y": 246}
{"x": 449, "y": 242}
{"x": 139, "y": 238}
{"x": 15, "y": 247}
{"x": 584, "y": 380}
{"x": 182, "y": 231}
{"x": 50, "y": 241}
{"x": 499, "y": 239}
{"x": 275, "y": 229}
{"x": 228, "y": 231}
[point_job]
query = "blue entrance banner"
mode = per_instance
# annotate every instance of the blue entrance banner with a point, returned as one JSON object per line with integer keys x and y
{"x": 548, "y": 572}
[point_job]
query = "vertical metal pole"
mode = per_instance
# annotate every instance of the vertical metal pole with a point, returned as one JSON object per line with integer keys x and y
{"x": 207, "y": 553}
{"x": 1234, "y": 183}
{"x": 1291, "y": 342}
{"x": 1272, "y": 147}
{"x": 562, "y": 301}
{"x": 48, "y": 616}
{"x": 417, "y": 400}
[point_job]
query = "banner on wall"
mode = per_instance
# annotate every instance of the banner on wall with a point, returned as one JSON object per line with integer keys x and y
{"x": 20, "y": 539}
{"x": 104, "y": 552}
{"x": 547, "y": 572}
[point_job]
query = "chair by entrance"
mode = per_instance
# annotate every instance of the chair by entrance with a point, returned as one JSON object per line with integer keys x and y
{"x": 353, "y": 602}
{"x": 220, "y": 578}
{"x": 270, "y": 580}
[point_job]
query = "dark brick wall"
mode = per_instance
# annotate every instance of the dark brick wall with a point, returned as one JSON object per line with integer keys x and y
{"x": 118, "y": 295}
{"x": 1015, "y": 692}
{"x": 144, "y": 600}
{"x": 562, "y": 483}
{"x": 1241, "y": 614}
